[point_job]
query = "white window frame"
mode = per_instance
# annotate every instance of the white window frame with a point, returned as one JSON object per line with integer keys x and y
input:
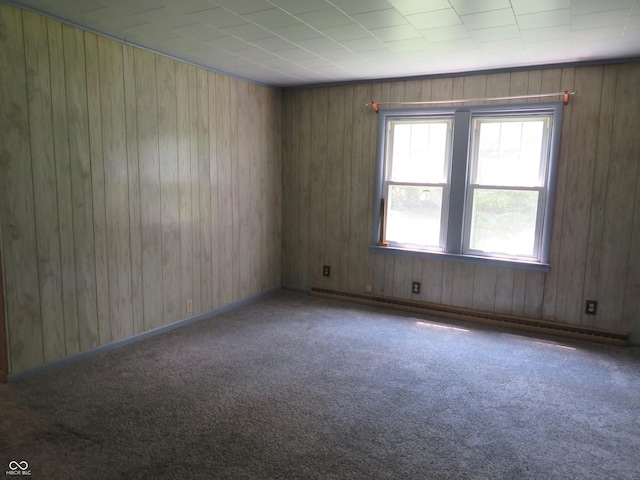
{"x": 455, "y": 245}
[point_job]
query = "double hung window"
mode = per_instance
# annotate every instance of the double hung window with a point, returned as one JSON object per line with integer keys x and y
{"x": 469, "y": 183}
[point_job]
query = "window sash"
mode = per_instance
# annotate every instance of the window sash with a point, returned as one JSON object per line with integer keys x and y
{"x": 455, "y": 224}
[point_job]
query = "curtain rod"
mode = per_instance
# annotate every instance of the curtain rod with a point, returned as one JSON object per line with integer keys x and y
{"x": 565, "y": 96}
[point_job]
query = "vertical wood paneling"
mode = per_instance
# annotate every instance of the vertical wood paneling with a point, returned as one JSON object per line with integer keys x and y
{"x": 150, "y": 211}
{"x": 303, "y": 185}
{"x": 111, "y": 195}
{"x": 599, "y": 187}
{"x": 101, "y": 234}
{"x": 225, "y": 192}
{"x": 44, "y": 182}
{"x": 345, "y": 174}
{"x": 244, "y": 186}
{"x": 169, "y": 189}
{"x": 81, "y": 187}
{"x": 184, "y": 185}
{"x": 318, "y": 186}
{"x": 551, "y": 280}
{"x": 133, "y": 173}
{"x": 204, "y": 190}
{"x": 19, "y": 244}
{"x": 617, "y": 248}
{"x": 63, "y": 185}
{"x": 116, "y": 187}
{"x": 581, "y": 161}
{"x": 214, "y": 181}
{"x": 289, "y": 133}
{"x": 195, "y": 190}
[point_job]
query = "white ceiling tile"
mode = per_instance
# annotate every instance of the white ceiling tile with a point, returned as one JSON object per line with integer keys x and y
{"x": 466, "y": 7}
{"x": 364, "y": 45}
{"x": 343, "y": 33}
{"x": 361, "y": 6}
{"x": 636, "y": 8}
{"x": 601, "y": 19}
{"x": 272, "y": 18}
{"x": 244, "y": 6}
{"x": 301, "y": 6}
{"x": 201, "y": 32}
{"x": 412, "y": 45}
{"x": 412, "y": 7}
{"x": 218, "y": 17}
{"x": 276, "y": 44}
{"x": 549, "y": 18}
{"x": 329, "y": 17}
{"x": 562, "y": 32}
{"x": 380, "y": 19}
{"x": 231, "y": 44}
{"x": 500, "y": 46}
{"x": 453, "y": 32}
{"x": 166, "y": 17}
{"x": 595, "y": 34}
{"x": 633, "y": 23}
{"x": 320, "y": 44}
{"x": 397, "y": 33}
{"x": 438, "y": 18}
{"x": 248, "y": 32}
{"x": 211, "y": 53}
{"x": 294, "y": 33}
{"x": 254, "y": 53}
{"x": 82, "y": 6}
{"x": 495, "y": 18}
{"x": 191, "y": 6}
{"x": 136, "y": 6}
{"x": 114, "y": 18}
{"x": 524, "y": 7}
{"x": 498, "y": 33}
{"x": 583, "y": 7}
{"x": 340, "y": 56}
{"x": 296, "y": 54}
{"x": 151, "y": 31}
{"x": 275, "y": 62}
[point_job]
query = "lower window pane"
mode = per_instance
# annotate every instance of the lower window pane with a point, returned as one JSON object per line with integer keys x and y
{"x": 504, "y": 222}
{"x": 414, "y": 215}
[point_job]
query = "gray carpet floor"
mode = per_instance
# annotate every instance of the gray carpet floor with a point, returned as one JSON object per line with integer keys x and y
{"x": 294, "y": 387}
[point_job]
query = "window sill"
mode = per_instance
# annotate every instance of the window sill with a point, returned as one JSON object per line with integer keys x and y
{"x": 452, "y": 257}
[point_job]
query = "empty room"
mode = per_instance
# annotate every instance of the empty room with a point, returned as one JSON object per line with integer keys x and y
{"x": 323, "y": 239}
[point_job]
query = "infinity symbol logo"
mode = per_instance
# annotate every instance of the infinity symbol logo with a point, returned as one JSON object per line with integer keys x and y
{"x": 23, "y": 465}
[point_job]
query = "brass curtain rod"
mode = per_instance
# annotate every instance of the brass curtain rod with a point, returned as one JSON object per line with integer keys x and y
{"x": 565, "y": 96}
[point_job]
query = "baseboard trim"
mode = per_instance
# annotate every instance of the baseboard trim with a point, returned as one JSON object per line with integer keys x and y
{"x": 12, "y": 377}
{"x": 560, "y": 329}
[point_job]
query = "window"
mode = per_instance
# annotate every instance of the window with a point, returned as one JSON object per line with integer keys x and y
{"x": 469, "y": 183}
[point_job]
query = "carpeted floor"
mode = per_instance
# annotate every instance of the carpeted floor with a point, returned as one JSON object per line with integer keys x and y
{"x": 294, "y": 387}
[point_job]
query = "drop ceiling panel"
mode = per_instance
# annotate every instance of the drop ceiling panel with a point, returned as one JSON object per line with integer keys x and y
{"x": 290, "y": 42}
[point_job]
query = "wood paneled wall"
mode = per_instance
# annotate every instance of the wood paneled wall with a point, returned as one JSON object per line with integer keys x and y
{"x": 329, "y": 154}
{"x": 129, "y": 183}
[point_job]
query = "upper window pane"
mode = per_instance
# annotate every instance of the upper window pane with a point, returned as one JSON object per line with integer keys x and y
{"x": 511, "y": 151}
{"x": 419, "y": 150}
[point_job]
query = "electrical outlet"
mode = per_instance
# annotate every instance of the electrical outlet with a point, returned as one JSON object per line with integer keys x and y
{"x": 591, "y": 307}
{"x": 326, "y": 270}
{"x": 368, "y": 288}
{"x": 415, "y": 287}
{"x": 189, "y": 305}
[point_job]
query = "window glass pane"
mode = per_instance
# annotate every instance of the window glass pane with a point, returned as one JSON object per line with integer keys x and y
{"x": 419, "y": 151}
{"x": 504, "y": 221}
{"x": 510, "y": 151}
{"x": 414, "y": 215}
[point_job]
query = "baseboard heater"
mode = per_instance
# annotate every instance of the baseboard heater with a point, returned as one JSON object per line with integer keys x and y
{"x": 487, "y": 318}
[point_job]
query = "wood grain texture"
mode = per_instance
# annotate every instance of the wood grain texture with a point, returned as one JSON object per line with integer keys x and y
{"x": 81, "y": 187}
{"x": 19, "y": 240}
{"x": 128, "y": 181}
{"x": 44, "y": 183}
{"x": 101, "y": 234}
{"x": 592, "y": 230}
{"x": 116, "y": 185}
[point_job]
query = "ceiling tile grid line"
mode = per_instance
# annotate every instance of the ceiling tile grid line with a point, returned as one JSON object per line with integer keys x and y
{"x": 296, "y": 42}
